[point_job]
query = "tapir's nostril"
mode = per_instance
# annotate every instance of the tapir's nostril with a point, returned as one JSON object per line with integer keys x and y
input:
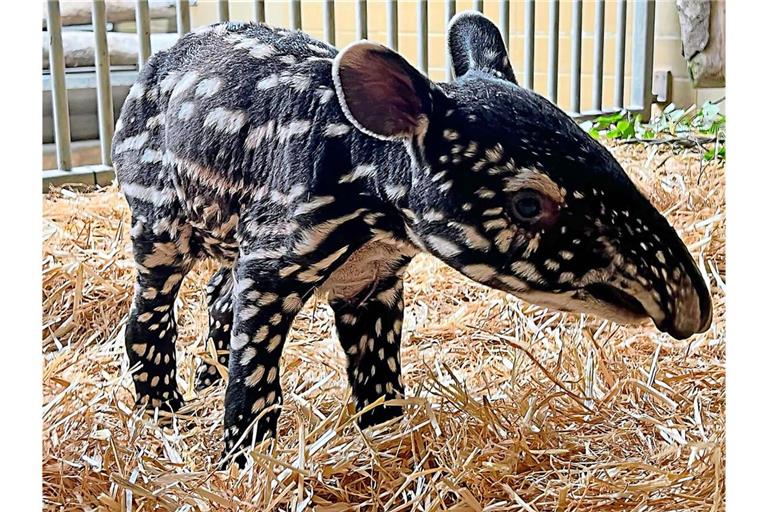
{"x": 692, "y": 308}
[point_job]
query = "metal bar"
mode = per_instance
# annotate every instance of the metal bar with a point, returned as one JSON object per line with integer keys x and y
{"x": 182, "y": 17}
{"x": 103, "y": 89}
{"x": 222, "y": 10}
{"x": 530, "y": 20}
{"x": 597, "y": 70}
{"x": 295, "y": 14}
{"x": 450, "y": 11}
{"x": 422, "y": 36}
{"x": 553, "y": 49}
{"x": 361, "y": 16}
{"x": 477, "y": 5}
{"x": 329, "y": 21}
{"x": 59, "y": 87}
{"x": 258, "y": 11}
{"x": 86, "y": 174}
{"x": 142, "y": 31}
{"x": 504, "y": 21}
{"x": 621, "y": 46}
{"x": 576, "y": 57}
{"x": 642, "y": 55}
{"x": 392, "y": 24}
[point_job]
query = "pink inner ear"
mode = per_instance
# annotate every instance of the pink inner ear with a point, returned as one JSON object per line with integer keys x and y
{"x": 379, "y": 91}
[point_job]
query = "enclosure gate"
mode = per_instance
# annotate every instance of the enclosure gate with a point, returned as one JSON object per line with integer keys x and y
{"x": 641, "y": 51}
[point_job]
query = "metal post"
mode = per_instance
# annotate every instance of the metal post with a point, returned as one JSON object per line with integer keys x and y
{"x": 361, "y": 11}
{"x": 576, "y": 57}
{"x": 295, "y": 14}
{"x": 504, "y": 21}
{"x": 59, "y": 87}
{"x": 597, "y": 70}
{"x": 329, "y": 21}
{"x": 222, "y": 10}
{"x": 642, "y": 55}
{"x": 553, "y": 49}
{"x": 621, "y": 46}
{"x": 258, "y": 11}
{"x": 142, "y": 31}
{"x": 422, "y": 36}
{"x": 392, "y": 24}
{"x": 450, "y": 11}
{"x": 182, "y": 17}
{"x": 530, "y": 20}
{"x": 103, "y": 89}
{"x": 477, "y": 5}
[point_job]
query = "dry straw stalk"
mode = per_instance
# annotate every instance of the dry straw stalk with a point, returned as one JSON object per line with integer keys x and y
{"x": 510, "y": 406}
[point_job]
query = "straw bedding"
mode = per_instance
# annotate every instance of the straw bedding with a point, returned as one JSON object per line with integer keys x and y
{"x": 509, "y": 406}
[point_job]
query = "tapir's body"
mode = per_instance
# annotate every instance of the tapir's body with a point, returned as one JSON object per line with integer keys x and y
{"x": 304, "y": 170}
{"x": 237, "y": 125}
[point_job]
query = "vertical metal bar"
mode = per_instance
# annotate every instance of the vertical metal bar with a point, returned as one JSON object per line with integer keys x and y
{"x": 477, "y": 5}
{"x": 504, "y": 21}
{"x": 450, "y": 11}
{"x": 597, "y": 70}
{"x": 528, "y": 66}
{"x": 295, "y": 14}
{"x": 142, "y": 31}
{"x": 258, "y": 11}
{"x": 642, "y": 55}
{"x": 392, "y": 24}
{"x": 182, "y": 17}
{"x": 103, "y": 90}
{"x": 422, "y": 36}
{"x": 553, "y": 49}
{"x": 621, "y": 46}
{"x": 576, "y": 19}
{"x": 222, "y": 10}
{"x": 329, "y": 21}
{"x": 361, "y": 12}
{"x": 59, "y": 87}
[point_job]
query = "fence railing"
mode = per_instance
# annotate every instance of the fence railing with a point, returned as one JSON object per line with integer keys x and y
{"x": 642, "y": 44}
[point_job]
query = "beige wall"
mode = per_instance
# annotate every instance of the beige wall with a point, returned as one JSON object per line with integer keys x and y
{"x": 668, "y": 53}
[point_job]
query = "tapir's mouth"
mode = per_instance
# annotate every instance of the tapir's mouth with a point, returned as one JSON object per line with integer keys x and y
{"x": 612, "y": 303}
{"x": 617, "y": 298}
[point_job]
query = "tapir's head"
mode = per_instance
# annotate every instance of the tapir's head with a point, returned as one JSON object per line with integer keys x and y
{"x": 508, "y": 190}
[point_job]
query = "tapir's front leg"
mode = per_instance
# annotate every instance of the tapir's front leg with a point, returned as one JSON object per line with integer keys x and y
{"x": 273, "y": 279}
{"x": 264, "y": 308}
{"x": 370, "y": 328}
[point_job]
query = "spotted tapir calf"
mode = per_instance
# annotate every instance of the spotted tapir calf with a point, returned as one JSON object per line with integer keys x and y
{"x": 306, "y": 170}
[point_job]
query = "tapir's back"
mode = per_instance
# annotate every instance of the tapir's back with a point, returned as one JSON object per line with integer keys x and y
{"x": 228, "y": 111}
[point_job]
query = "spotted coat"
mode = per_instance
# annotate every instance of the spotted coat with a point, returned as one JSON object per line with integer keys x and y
{"x": 303, "y": 170}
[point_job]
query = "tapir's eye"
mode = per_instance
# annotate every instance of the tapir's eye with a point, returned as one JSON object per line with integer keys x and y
{"x": 534, "y": 209}
{"x": 527, "y": 205}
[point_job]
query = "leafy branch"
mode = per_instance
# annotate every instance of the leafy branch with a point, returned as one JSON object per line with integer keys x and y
{"x": 703, "y": 128}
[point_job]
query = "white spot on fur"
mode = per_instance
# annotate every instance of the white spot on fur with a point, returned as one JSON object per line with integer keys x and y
{"x": 336, "y": 129}
{"x": 132, "y": 143}
{"x": 184, "y": 84}
{"x": 361, "y": 171}
{"x": 225, "y": 120}
{"x": 208, "y": 87}
{"x": 268, "y": 82}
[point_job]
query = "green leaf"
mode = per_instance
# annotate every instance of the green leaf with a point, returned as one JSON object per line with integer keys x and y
{"x": 711, "y": 155}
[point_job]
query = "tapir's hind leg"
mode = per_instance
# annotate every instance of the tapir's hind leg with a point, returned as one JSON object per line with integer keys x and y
{"x": 163, "y": 258}
{"x": 219, "y": 293}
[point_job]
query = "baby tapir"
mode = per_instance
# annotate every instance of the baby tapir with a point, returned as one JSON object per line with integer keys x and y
{"x": 305, "y": 170}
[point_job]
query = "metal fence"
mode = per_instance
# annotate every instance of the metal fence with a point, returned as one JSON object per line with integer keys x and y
{"x": 640, "y": 74}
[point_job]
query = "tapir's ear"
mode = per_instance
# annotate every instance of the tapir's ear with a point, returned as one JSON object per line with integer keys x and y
{"x": 380, "y": 93}
{"x": 474, "y": 42}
